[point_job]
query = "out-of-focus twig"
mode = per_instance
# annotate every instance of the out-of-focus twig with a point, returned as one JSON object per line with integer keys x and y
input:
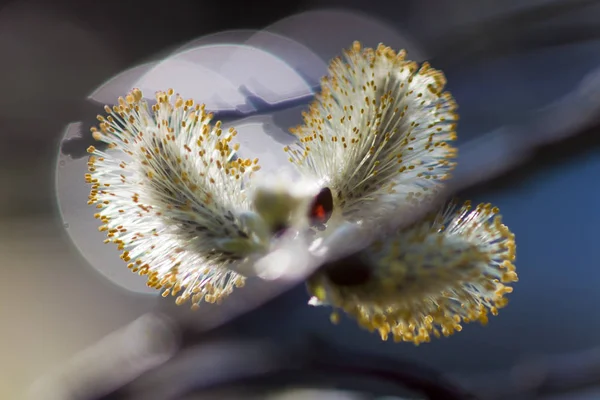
{"x": 111, "y": 370}
{"x": 513, "y": 30}
{"x": 114, "y": 361}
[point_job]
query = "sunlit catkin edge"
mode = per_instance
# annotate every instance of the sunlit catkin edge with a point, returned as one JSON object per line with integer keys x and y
{"x": 138, "y": 220}
{"x": 378, "y": 134}
{"x": 451, "y": 267}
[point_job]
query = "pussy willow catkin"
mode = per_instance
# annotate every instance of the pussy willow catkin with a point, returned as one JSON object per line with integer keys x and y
{"x": 185, "y": 211}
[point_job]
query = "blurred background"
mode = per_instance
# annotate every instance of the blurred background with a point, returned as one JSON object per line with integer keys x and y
{"x": 524, "y": 74}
